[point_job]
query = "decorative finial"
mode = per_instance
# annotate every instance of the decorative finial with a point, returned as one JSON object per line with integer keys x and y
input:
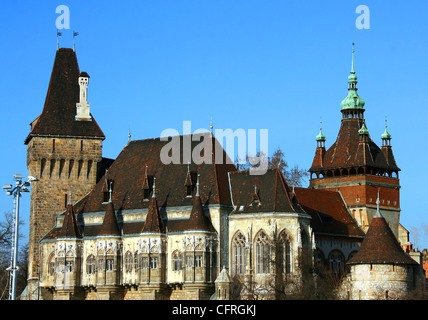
{"x": 109, "y": 191}
{"x": 129, "y": 135}
{"x": 154, "y": 187}
{"x": 211, "y": 126}
{"x": 197, "y": 185}
{"x": 74, "y": 35}
{"x": 353, "y": 51}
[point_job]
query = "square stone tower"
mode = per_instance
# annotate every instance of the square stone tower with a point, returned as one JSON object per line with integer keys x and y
{"x": 64, "y": 151}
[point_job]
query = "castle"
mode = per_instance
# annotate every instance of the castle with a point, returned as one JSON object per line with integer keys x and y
{"x": 136, "y": 228}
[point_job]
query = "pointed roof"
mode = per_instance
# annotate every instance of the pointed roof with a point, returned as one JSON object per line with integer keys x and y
{"x": 69, "y": 227}
{"x": 380, "y": 246}
{"x": 197, "y": 219}
{"x": 272, "y": 191}
{"x": 109, "y": 226}
{"x": 59, "y": 111}
{"x": 153, "y": 221}
{"x": 346, "y": 151}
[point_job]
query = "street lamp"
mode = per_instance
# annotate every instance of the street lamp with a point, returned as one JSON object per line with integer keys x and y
{"x": 16, "y": 192}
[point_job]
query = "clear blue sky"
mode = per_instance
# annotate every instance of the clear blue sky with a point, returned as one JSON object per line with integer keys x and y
{"x": 250, "y": 64}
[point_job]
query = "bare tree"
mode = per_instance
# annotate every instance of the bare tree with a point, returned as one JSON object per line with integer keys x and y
{"x": 294, "y": 176}
{"x": 6, "y": 233}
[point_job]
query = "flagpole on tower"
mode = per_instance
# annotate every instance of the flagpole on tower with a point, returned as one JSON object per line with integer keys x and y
{"x": 58, "y": 34}
{"x": 74, "y": 35}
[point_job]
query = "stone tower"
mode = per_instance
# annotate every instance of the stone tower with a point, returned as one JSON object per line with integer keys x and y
{"x": 357, "y": 167}
{"x": 64, "y": 150}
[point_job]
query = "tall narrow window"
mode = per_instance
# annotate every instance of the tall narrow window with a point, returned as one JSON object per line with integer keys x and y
{"x": 262, "y": 253}
{"x": 238, "y": 251}
{"x": 53, "y": 146}
{"x": 177, "y": 261}
{"x": 284, "y": 251}
{"x": 81, "y": 145}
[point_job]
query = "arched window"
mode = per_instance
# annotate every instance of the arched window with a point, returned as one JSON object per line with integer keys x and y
{"x": 177, "y": 261}
{"x": 284, "y": 252}
{"x": 336, "y": 262}
{"x": 128, "y": 261}
{"x": 262, "y": 253}
{"x": 238, "y": 253}
{"x": 90, "y": 265}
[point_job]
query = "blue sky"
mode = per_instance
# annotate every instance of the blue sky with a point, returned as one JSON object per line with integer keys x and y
{"x": 276, "y": 65}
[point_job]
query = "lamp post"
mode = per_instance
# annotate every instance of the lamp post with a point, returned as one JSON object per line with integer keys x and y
{"x": 16, "y": 192}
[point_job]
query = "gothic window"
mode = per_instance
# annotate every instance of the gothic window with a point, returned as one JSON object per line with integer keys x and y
{"x": 136, "y": 266}
{"x": 336, "y": 262}
{"x": 284, "y": 250}
{"x": 319, "y": 258}
{"x": 177, "y": 261}
{"x": 69, "y": 266}
{"x": 144, "y": 262}
{"x": 262, "y": 253}
{"x": 238, "y": 253}
{"x": 198, "y": 261}
{"x": 153, "y": 263}
{"x": 189, "y": 261}
{"x": 109, "y": 264}
{"x": 90, "y": 265}
{"x": 128, "y": 262}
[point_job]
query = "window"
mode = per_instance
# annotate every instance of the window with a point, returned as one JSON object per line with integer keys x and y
{"x": 285, "y": 253}
{"x": 238, "y": 254}
{"x": 153, "y": 263}
{"x": 188, "y": 191}
{"x": 177, "y": 261}
{"x": 198, "y": 261}
{"x": 90, "y": 265}
{"x": 336, "y": 262}
{"x": 68, "y": 266}
{"x": 100, "y": 263}
{"x": 262, "y": 254}
{"x": 128, "y": 262}
{"x": 145, "y": 263}
{"x": 189, "y": 261}
{"x": 109, "y": 264}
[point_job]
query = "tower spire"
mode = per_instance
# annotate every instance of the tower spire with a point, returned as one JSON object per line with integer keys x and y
{"x": 353, "y": 104}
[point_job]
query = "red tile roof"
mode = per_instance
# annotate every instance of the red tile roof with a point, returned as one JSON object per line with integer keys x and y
{"x": 153, "y": 221}
{"x": 128, "y": 175}
{"x": 109, "y": 226}
{"x": 348, "y": 152}
{"x": 380, "y": 246}
{"x": 69, "y": 227}
{"x": 59, "y": 111}
{"x": 328, "y": 211}
{"x": 273, "y": 193}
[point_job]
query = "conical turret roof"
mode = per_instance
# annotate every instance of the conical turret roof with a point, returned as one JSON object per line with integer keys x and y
{"x": 380, "y": 246}
{"x": 69, "y": 227}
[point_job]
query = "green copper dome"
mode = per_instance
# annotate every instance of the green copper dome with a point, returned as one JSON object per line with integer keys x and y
{"x": 386, "y": 134}
{"x": 352, "y": 100}
{"x": 320, "y": 136}
{"x": 363, "y": 130}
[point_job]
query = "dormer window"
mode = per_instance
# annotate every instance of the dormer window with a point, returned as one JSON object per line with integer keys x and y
{"x": 189, "y": 184}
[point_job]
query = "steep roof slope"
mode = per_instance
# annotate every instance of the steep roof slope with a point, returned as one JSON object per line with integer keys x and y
{"x": 380, "y": 246}
{"x": 59, "y": 111}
